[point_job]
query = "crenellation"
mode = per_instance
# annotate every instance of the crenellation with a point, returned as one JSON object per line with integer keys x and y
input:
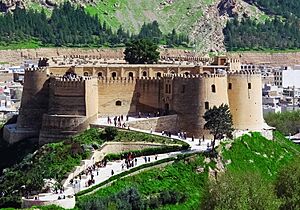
{"x": 86, "y": 86}
{"x": 36, "y": 69}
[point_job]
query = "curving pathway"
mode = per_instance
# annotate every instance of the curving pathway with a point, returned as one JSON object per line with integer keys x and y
{"x": 102, "y": 174}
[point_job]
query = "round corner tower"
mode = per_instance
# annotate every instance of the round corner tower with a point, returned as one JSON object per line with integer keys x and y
{"x": 245, "y": 100}
{"x": 34, "y": 101}
{"x": 193, "y": 96}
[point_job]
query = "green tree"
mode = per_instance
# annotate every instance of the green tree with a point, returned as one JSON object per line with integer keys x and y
{"x": 110, "y": 133}
{"x": 287, "y": 186}
{"x": 141, "y": 51}
{"x": 241, "y": 191}
{"x": 218, "y": 122}
{"x": 285, "y": 122}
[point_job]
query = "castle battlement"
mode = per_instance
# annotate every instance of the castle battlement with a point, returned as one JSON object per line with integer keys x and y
{"x": 245, "y": 72}
{"x": 36, "y": 69}
{"x": 148, "y": 78}
{"x": 69, "y": 82}
{"x": 191, "y": 76}
{"x": 148, "y": 81}
{"x": 116, "y": 80}
{"x": 73, "y": 79}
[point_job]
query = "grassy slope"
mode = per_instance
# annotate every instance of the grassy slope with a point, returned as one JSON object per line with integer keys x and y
{"x": 131, "y": 14}
{"x": 248, "y": 153}
{"x": 258, "y": 154}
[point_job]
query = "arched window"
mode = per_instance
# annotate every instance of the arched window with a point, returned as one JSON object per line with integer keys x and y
{"x": 114, "y": 75}
{"x": 229, "y": 86}
{"x": 118, "y": 103}
{"x": 144, "y": 74}
{"x": 213, "y": 88}
{"x": 130, "y": 75}
{"x": 249, "y": 85}
{"x": 86, "y": 74}
{"x": 100, "y": 74}
{"x": 158, "y": 75}
{"x": 187, "y": 73}
{"x": 206, "y": 105}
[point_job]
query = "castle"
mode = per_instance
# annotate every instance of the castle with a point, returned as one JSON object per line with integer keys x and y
{"x": 57, "y": 104}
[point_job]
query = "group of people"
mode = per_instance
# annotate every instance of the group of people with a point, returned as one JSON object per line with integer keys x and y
{"x": 182, "y": 135}
{"x": 166, "y": 133}
{"x": 130, "y": 161}
{"x": 89, "y": 172}
{"x": 148, "y": 115}
{"x": 118, "y": 121}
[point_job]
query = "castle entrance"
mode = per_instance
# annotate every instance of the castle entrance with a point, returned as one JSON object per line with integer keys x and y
{"x": 167, "y": 108}
{"x": 130, "y": 75}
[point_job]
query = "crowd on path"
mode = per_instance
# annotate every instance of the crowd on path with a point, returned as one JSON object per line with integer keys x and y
{"x": 104, "y": 169}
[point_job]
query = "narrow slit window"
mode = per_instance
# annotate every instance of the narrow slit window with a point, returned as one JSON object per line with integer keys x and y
{"x": 213, "y": 88}
{"x": 249, "y": 85}
{"x": 206, "y": 105}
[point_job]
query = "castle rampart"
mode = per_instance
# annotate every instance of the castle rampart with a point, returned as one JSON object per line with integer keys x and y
{"x": 61, "y": 100}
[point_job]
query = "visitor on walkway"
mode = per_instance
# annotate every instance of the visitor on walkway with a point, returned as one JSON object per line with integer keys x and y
{"x": 112, "y": 172}
{"x": 123, "y": 165}
{"x": 145, "y": 158}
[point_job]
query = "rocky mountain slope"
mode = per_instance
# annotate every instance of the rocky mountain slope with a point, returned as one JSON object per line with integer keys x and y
{"x": 202, "y": 20}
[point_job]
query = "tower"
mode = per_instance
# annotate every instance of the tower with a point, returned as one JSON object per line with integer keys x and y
{"x": 245, "y": 100}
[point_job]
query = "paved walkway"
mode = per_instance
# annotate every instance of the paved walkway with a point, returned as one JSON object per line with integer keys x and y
{"x": 102, "y": 174}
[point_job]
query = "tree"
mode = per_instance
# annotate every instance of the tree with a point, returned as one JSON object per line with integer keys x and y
{"x": 287, "y": 186}
{"x": 219, "y": 122}
{"x": 141, "y": 51}
{"x": 245, "y": 190}
{"x": 110, "y": 133}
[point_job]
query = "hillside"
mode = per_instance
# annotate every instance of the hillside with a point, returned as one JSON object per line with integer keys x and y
{"x": 202, "y": 20}
{"x": 249, "y": 155}
{"x": 211, "y": 25}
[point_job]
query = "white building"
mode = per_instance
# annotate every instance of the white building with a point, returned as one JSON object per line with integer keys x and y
{"x": 287, "y": 77}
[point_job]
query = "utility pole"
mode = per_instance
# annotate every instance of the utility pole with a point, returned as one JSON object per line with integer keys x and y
{"x": 293, "y": 97}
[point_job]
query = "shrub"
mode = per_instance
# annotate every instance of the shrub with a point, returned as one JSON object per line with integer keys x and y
{"x": 240, "y": 191}
{"x": 287, "y": 186}
{"x": 110, "y": 133}
{"x": 126, "y": 199}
